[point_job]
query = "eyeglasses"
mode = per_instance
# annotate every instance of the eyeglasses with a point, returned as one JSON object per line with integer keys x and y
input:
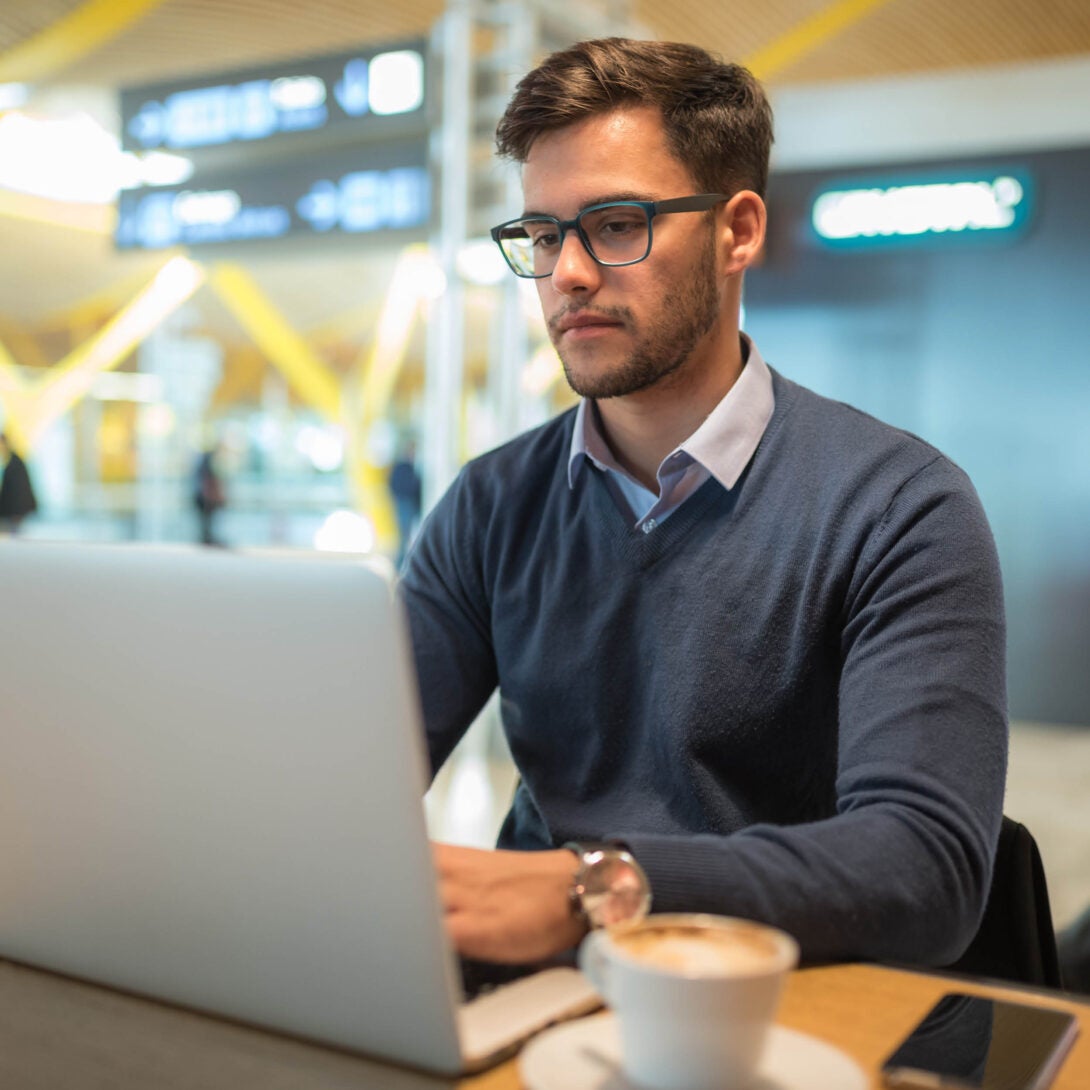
{"x": 615, "y": 233}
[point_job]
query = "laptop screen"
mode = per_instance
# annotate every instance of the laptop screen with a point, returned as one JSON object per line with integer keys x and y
{"x": 211, "y": 783}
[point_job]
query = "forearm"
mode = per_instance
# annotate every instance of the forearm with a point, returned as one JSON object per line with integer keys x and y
{"x": 879, "y": 884}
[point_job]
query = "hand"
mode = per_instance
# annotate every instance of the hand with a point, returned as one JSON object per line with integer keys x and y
{"x": 507, "y": 906}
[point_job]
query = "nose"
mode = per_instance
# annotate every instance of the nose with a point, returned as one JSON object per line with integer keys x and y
{"x": 576, "y": 271}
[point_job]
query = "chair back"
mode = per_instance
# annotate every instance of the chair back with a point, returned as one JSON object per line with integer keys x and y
{"x": 1015, "y": 940}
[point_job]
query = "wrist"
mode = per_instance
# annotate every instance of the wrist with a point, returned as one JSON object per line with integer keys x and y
{"x": 570, "y": 928}
{"x": 609, "y": 886}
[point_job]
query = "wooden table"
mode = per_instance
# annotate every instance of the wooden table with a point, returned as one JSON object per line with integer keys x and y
{"x": 58, "y": 1034}
{"x": 866, "y": 1010}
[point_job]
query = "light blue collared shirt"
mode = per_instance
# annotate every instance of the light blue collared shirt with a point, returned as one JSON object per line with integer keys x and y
{"x": 721, "y": 447}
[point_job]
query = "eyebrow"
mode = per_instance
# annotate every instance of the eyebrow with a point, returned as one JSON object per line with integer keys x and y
{"x": 607, "y": 198}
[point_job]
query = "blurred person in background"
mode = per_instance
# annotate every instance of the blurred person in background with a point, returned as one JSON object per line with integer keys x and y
{"x": 17, "y": 499}
{"x": 406, "y": 491}
{"x": 209, "y": 495}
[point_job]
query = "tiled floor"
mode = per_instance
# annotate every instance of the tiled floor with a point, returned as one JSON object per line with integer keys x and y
{"x": 1048, "y": 790}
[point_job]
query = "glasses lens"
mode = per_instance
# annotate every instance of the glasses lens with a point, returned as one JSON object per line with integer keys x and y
{"x": 531, "y": 246}
{"x": 617, "y": 233}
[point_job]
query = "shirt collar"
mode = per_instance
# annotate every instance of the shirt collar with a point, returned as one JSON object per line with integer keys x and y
{"x": 724, "y": 442}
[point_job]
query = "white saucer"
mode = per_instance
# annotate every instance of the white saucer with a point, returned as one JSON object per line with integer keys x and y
{"x": 586, "y": 1055}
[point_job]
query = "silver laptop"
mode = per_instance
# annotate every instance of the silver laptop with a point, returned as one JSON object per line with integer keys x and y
{"x": 211, "y": 785}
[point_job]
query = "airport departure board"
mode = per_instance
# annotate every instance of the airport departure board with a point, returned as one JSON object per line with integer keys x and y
{"x": 355, "y": 191}
{"x": 369, "y": 91}
{"x": 316, "y": 147}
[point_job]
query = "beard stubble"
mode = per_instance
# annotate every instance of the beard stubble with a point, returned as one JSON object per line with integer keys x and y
{"x": 665, "y": 344}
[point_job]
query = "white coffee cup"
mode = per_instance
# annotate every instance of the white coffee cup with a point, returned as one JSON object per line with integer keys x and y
{"x": 695, "y": 996}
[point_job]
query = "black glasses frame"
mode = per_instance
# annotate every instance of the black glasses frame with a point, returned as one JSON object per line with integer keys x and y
{"x": 700, "y": 202}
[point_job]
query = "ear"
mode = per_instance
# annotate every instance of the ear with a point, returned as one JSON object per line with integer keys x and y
{"x": 744, "y": 221}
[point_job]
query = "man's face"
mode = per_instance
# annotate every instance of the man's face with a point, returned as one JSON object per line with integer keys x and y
{"x": 620, "y": 330}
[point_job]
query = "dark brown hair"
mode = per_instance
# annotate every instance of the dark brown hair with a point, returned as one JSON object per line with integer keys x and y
{"x": 717, "y": 119}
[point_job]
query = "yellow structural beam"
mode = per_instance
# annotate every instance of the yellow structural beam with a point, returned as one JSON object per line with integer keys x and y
{"x": 92, "y": 309}
{"x": 8, "y": 374}
{"x": 22, "y": 345}
{"x": 276, "y": 338}
{"x": 312, "y": 380}
{"x": 808, "y": 35}
{"x": 43, "y": 401}
{"x": 242, "y": 375}
{"x": 69, "y": 38}
{"x": 12, "y": 398}
{"x": 309, "y": 377}
{"x": 378, "y": 369}
{"x": 381, "y": 365}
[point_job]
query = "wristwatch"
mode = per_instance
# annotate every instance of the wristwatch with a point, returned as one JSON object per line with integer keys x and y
{"x": 609, "y": 887}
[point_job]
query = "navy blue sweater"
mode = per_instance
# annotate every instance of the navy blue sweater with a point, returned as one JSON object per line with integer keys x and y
{"x": 788, "y": 699}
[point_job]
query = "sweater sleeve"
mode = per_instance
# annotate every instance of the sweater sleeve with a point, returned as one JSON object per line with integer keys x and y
{"x": 446, "y": 604}
{"x": 901, "y": 871}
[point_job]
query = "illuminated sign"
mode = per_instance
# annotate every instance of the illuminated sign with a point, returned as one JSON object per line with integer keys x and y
{"x": 926, "y": 211}
{"x": 382, "y": 89}
{"x": 365, "y": 190}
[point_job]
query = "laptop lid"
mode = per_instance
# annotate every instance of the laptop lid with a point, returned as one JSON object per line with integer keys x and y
{"x": 211, "y": 782}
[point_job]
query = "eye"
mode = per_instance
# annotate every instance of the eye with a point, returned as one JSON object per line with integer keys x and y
{"x": 543, "y": 236}
{"x": 620, "y": 224}
{"x": 614, "y": 226}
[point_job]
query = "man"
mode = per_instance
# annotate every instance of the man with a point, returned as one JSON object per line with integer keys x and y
{"x": 754, "y": 636}
{"x": 209, "y": 497}
{"x": 17, "y": 499}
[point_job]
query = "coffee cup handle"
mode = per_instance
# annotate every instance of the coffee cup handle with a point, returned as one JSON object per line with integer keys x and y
{"x": 594, "y": 963}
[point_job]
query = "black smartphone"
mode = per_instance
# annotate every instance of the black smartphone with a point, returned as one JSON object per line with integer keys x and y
{"x": 971, "y": 1043}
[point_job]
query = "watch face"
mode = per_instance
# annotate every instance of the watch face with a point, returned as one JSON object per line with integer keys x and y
{"x": 615, "y": 888}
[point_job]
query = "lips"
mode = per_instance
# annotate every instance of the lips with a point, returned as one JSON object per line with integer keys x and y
{"x": 586, "y": 321}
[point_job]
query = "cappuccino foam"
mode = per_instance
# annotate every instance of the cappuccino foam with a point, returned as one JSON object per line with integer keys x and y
{"x": 700, "y": 951}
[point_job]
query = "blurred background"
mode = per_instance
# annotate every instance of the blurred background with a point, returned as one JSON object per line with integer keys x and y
{"x": 247, "y": 297}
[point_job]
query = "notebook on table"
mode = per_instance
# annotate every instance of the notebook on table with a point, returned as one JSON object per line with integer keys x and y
{"x": 211, "y": 784}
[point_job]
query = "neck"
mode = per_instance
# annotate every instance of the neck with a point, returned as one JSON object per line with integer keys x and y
{"x": 643, "y": 428}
